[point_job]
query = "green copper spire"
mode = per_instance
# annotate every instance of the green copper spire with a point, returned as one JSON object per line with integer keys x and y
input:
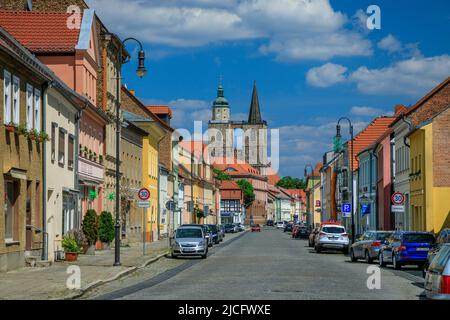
{"x": 221, "y": 101}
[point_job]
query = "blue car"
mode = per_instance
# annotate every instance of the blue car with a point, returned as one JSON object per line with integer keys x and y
{"x": 404, "y": 248}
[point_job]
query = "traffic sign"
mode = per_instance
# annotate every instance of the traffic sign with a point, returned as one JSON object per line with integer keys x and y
{"x": 346, "y": 210}
{"x": 398, "y": 198}
{"x": 144, "y": 194}
{"x": 143, "y": 204}
{"x": 170, "y": 205}
{"x": 397, "y": 208}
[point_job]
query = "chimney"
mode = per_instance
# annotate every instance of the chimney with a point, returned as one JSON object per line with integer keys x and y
{"x": 399, "y": 109}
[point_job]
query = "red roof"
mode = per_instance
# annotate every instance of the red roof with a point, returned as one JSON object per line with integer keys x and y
{"x": 299, "y": 193}
{"x": 41, "y": 32}
{"x": 369, "y": 135}
{"x": 161, "y": 110}
{"x": 229, "y": 185}
{"x": 237, "y": 169}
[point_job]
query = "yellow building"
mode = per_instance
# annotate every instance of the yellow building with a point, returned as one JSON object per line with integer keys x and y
{"x": 430, "y": 174}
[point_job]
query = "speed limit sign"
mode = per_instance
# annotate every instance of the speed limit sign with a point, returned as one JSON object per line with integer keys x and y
{"x": 144, "y": 194}
{"x": 398, "y": 198}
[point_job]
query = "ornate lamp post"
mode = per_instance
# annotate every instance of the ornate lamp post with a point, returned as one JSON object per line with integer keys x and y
{"x": 141, "y": 71}
{"x": 337, "y": 144}
{"x": 309, "y": 166}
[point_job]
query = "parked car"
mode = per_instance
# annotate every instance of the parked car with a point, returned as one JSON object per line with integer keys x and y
{"x": 256, "y": 228}
{"x": 404, "y": 248}
{"x": 288, "y": 227}
{"x": 269, "y": 223}
{"x": 231, "y": 228}
{"x": 443, "y": 238}
{"x": 240, "y": 227}
{"x": 280, "y": 225}
{"x": 300, "y": 231}
{"x": 189, "y": 241}
{"x": 206, "y": 230}
{"x": 331, "y": 236}
{"x": 312, "y": 236}
{"x": 215, "y": 233}
{"x": 437, "y": 279}
{"x": 368, "y": 246}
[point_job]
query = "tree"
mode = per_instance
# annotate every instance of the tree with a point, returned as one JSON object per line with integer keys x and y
{"x": 90, "y": 226}
{"x": 106, "y": 227}
{"x": 249, "y": 192}
{"x": 291, "y": 183}
{"x": 220, "y": 175}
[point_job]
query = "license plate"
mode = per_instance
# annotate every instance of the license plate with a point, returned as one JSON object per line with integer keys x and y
{"x": 422, "y": 249}
{"x": 188, "y": 249}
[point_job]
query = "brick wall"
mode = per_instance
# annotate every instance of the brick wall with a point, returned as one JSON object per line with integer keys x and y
{"x": 438, "y": 102}
{"x": 441, "y": 149}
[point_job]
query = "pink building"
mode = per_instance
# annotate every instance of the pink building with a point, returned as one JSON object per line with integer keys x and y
{"x": 68, "y": 45}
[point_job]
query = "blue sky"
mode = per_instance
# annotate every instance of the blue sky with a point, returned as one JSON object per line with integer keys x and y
{"x": 313, "y": 61}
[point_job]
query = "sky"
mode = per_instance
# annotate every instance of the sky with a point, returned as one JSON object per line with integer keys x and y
{"x": 314, "y": 61}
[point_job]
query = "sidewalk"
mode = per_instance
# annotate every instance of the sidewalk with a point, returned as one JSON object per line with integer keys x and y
{"x": 50, "y": 283}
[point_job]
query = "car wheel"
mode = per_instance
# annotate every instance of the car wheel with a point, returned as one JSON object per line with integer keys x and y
{"x": 345, "y": 250}
{"x": 367, "y": 257}
{"x": 318, "y": 249}
{"x": 352, "y": 256}
{"x": 204, "y": 256}
{"x": 381, "y": 261}
{"x": 397, "y": 265}
{"x": 173, "y": 256}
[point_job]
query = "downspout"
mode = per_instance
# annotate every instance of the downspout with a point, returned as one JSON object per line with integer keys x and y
{"x": 158, "y": 213}
{"x": 78, "y": 116}
{"x": 410, "y": 126}
{"x": 44, "y": 257}
{"x": 374, "y": 201}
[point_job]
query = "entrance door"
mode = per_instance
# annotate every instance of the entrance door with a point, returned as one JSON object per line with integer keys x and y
{"x": 29, "y": 228}
{"x": 69, "y": 206}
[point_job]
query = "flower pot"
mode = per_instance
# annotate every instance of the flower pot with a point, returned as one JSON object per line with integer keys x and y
{"x": 71, "y": 256}
{"x": 10, "y": 128}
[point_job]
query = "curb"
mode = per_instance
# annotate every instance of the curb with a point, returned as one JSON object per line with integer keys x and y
{"x": 119, "y": 275}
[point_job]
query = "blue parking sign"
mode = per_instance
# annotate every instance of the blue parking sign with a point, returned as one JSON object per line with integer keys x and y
{"x": 346, "y": 208}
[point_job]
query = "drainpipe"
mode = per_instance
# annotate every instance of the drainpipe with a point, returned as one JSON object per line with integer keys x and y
{"x": 410, "y": 126}
{"x": 44, "y": 89}
{"x": 76, "y": 165}
{"x": 374, "y": 201}
{"x": 158, "y": 213}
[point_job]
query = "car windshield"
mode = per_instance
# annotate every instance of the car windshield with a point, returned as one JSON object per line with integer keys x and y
{"x": 212, "y": 228}
{"x": 333, "y": 230}
{"x": 419, "y": 238}
{"x": 439, "y": 262}
{"x": 383, "y": 235}
{"x": 189, "y": 233}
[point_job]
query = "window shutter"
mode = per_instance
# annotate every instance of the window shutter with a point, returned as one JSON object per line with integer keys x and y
{"x": 16, "y": 100}
{"x": 7, "y": 97}
{"x": 29, "y": 107}
{"x": 37, "y": 109}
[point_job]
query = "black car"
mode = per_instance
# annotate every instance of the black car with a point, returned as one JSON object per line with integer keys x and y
{"x": 214, "y": 232}
{"x": 269, "y": 223}
{"x": 288, "y": 227}
{"x": 443, "y": 238}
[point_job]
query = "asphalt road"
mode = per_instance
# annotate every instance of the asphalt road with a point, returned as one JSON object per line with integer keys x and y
{"x": 267, "y": 265}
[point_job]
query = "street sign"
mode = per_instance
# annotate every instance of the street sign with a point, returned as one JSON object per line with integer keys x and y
{"x": 398, "y": 198}
{"x": 365, "y": 209}
{"x": 143, "y": 204}
{"x": 144, "y": 194}
{"x": 397, "y": 208}
{"x": 346, "y": 209}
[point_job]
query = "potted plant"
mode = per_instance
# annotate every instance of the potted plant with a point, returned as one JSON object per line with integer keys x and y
{"x": 43, "y": 136}
{"x": 71, "y": 249}
{"x": 90, "y": 154}
{"x": 81, "y": 240}
{"x": 90, "y": 230}
{"x": 106, "y": 229}
{"x": 100, "y": 159}
{"x": 85, "y": 152}
{"x": 33, "y": 134}
{"x": 22, "y": 130}
{"x": 95, "y": 156}
{"x": 10, "y": 127}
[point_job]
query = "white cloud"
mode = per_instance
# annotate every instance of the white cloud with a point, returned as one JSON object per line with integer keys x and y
{"x": 413, "y": 76}
{"x": 367, "y": 111}
{"x": 291, "y": 29}
{"x": 326, "y": 75}
{"x": 392, "y": 45}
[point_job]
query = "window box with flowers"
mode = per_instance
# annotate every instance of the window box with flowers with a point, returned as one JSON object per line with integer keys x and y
{"x": 33, "y": 134}
{"x": 43, "y": 136}
{"x": 11, "y": 127}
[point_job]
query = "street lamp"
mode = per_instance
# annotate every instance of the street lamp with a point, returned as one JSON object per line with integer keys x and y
{"x": 337, "y": 143}
{"x": 312, "y": 176}
{"x": 141, "y": 72}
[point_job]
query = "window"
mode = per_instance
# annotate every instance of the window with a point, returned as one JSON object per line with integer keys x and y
{"x": 37, "y": 110}
{"x": 71, "y": 152}
{"x": 53, "y": 141}
{"x": 29, "y": 107}
{"x": 7, "y": 97}
{"x": 16, "y": 100}
{"x": 61, "y": 146}
{"x": 9, "y": 210}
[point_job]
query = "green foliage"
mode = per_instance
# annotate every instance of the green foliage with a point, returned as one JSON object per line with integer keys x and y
{"x": 291, "y": 183}
{"x": 90, "y": 226}
{"x": 106, "y": 227}
{"x": 249, "y": 192}
{"x": 79, "y": 237}
{"x": 69, "y": 244}
{"x": 220, "y": 175}
{"x": 199, "y": 213}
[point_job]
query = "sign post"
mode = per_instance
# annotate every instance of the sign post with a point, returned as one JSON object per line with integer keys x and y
{"x": 144, "y": 203}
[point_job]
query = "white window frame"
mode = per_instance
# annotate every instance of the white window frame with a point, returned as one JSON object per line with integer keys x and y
{"x": 37, "y": 109}
{"x": 6, "y": 97}
{"x": 30, "y": 109}
{"x": 16, "y": 100}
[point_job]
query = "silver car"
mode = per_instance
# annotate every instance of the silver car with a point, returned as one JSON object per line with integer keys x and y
{"x": 189, "y": 241}
{"x": 437, "y": 279}
{"x": 368, "y": 246}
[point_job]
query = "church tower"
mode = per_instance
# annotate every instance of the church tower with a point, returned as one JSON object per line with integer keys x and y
{"x": 221, "y": 107}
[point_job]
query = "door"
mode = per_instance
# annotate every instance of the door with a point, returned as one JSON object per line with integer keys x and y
{"x": 29, "y": 227}
{"x": 69, "y": 207}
